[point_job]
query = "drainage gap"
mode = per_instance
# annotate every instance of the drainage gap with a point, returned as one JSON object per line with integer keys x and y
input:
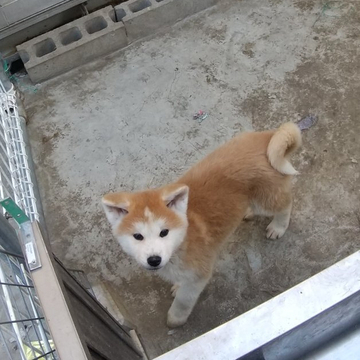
{"x": 16, "y": 66}
{"x": 120, "y": 14}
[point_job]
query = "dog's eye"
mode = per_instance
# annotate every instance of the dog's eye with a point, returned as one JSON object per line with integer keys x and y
{"x": 164, "y": 232}
{"x": 138, "y": 237}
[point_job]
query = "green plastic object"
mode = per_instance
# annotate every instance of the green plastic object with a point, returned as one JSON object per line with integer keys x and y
{"x": 18, "y": 215}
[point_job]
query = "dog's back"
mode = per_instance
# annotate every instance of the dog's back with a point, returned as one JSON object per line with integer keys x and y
{"x": 250, "y": 170}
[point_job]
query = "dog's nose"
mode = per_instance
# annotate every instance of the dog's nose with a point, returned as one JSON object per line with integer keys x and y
{"x": 154, "y": 261}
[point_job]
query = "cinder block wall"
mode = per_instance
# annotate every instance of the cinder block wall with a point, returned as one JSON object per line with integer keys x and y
{"x": 101, "y": 32}
{"x": 15, "y": 10}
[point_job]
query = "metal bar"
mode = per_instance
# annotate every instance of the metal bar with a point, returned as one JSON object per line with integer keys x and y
{"x": 36, "y": 301}
{"x": 9, "y": 241}
{"x": 20, "y": 321}
{"x": 2, "y": 190}
{"x": 9, "y": 154}
{"x": 38, "y": 209}
{"x": 17, "y": 285}
{"x": 5, "y": 343}
{"x": 12, "y": 145}
{"x": 8, "y": 306}
{"x": 10, "y": 333}
{"x": 22, "y": 168}
{"x": 11, "y": 254}
{"x": 38, "y": 323}
{"x": 42, "y": 356}
{"x": 38, "y": 338}
{"x": 34, "y": 311}
{"x": 14, "y": 302}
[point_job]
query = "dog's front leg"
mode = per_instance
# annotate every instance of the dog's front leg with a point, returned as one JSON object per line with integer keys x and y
{"x": 185, "y": 299}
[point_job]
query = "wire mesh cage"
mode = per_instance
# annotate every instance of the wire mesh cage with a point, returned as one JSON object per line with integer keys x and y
{"x": 24, "y": 334}
{"x": 15, "y": 173}
{"x": 23, "y": 329}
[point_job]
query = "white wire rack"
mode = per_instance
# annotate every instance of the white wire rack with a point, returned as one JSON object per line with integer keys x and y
{"x": 24, "y": 334}
{"x": 15, "y": 174}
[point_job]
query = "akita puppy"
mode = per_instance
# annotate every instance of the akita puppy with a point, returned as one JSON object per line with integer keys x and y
{"x": 177, "y": 230}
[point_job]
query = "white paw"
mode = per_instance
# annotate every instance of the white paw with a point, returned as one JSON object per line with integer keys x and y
{"x": 174, "y": 321}
{"x": 275, "y": 230}
{"x": 174, "y": 289}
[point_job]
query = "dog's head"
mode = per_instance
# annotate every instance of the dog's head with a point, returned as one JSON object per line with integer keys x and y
{"x": 149, "y": 225}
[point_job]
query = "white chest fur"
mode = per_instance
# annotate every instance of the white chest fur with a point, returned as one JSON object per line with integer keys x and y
{"x": 176, "y": 272}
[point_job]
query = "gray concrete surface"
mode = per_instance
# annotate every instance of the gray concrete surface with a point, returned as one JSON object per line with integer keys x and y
{"x": 125, "y": 123}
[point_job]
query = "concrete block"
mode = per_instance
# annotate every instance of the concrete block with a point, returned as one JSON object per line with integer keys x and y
{"x": 144, "y": 17}
{"x": 73, "y": 44}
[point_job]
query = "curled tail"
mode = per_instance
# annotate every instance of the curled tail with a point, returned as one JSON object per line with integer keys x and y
{"x": 286, "y": 139}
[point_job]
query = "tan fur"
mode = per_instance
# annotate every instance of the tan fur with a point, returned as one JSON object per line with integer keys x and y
{"x": 136, "y": 203}
{"x": 225, "y": 183}
{"x": 284, "y": 142}
{"x": 248, "y": 173}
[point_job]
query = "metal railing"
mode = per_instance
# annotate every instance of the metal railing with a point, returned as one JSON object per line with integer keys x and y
{"x": 23, "y": 330}
{"x": 24, "y": 334}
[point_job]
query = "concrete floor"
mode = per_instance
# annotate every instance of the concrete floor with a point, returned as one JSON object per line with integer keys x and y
{"x": 125, "y": 123}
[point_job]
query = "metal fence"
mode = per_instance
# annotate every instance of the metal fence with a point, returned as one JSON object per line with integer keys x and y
{"x": 24, "y": 334}
{"x": 23, "y": 331}
{"x": 15, "y": 174}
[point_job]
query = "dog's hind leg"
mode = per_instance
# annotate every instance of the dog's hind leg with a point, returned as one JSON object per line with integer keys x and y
{"x": 276, "y": 229}
{"x": 277, "y": 203}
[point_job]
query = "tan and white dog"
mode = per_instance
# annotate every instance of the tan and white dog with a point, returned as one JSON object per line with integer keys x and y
{"x": 178, "y": 229}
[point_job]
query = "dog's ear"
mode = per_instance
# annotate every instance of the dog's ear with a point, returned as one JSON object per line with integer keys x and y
{"x": 116, "y": 207}
{"x": 176, "y": 197}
